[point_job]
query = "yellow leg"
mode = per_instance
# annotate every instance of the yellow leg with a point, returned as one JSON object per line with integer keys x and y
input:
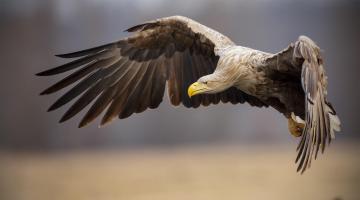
{"x": 295, "y": 127}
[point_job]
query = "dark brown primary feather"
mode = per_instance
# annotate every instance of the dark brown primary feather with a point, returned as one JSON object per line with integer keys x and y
{"x": 302, "y": 60}
{"x": 130, "y": 75}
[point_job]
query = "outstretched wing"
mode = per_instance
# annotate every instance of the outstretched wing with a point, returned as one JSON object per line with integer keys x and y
{"x": 303, "y": 59}
{"x": 130, "y": 75}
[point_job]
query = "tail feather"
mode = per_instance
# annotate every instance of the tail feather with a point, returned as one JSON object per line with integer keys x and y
{"x": 335, "y": 124}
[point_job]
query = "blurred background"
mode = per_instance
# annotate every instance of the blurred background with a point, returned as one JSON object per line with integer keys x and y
{"x": 214, "y": 152}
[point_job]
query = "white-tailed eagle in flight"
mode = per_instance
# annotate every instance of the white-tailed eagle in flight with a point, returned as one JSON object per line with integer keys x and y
{"x": 199, "y": 66}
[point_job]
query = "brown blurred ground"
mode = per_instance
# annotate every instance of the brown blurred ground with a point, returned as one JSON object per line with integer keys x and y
{"x": 199, "y": 173}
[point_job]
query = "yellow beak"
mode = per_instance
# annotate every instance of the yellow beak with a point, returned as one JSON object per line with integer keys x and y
{"x": 196, "y": 88}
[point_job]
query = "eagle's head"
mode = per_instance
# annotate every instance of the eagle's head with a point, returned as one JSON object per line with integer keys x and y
{"x": 209, "y": 84}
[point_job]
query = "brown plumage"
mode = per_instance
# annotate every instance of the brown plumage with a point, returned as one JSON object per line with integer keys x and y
{"x": 130, "y": 75}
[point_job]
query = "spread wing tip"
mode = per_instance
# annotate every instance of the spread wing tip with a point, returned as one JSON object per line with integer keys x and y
{"x": 43, "y": 73}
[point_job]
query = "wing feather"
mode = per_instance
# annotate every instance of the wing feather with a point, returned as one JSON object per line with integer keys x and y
{"x": 72, "y": 78}
{"x": 99, "y": 106}
{"x": 134, "y": 98}
{"x": 85, "y": 99}
{"x": 77, "y": 63}
{"x": 88, "y": 51}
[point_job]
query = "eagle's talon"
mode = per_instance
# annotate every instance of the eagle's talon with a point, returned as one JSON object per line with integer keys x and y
{"x": 295, "y": 128}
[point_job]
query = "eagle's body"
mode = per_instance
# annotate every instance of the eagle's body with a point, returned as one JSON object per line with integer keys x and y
{"x": 200, "y": 66}
{"x": 248, "y": 70}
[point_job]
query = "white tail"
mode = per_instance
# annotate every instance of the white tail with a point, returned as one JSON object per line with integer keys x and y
{"x": 335, "y": 124}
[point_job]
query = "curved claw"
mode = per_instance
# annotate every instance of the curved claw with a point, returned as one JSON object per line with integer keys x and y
{"x": 296, "y": 125}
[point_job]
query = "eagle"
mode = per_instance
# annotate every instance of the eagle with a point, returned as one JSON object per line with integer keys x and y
{"x": 199, "y": 66}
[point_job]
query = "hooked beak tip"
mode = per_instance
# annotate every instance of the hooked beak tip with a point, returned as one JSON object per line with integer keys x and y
{"x": 194, "y": 89}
